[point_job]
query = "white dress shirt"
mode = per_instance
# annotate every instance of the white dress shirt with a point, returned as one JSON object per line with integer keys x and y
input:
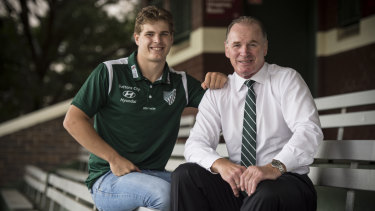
{"x": 288, "y": 126}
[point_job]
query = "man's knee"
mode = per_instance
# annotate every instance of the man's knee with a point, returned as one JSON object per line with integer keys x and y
{"x": 264, "y": 198}
{"x": 271, "y": 195}
{"x": 159, "y": 198}
{"x": 162, "y": 201}
{"x": 265, "y": 195}
{"x": 184, "y": 171}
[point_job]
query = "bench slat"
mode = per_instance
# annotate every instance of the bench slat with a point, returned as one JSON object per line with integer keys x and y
{"x": 346, "y": 100}
{"x": 36, "y": 172}
{"x": 173, "y": 163}
{"x": 348, "y": 119}
{"x": 347, "y": 150}
{"x": 187, "y": 120}
{"x": 178, "y": 150}
{"x": 76, "y": 175}
{"x": 74, "y": 188}
{"x": 15, "y": 200}
{"x": 359, "y": 179}
{"x": 34, "y": 183}
{"x": 66, "y": 201}
{"x": 183, "y": 133}
{"x": 186, "y": 123}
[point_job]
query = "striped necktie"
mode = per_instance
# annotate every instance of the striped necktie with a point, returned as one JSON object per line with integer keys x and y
{"x": 249, "y": 133}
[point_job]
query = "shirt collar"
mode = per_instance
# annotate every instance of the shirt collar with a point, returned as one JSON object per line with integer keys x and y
{"x": 136, "y": 73}
{"x": 259, "y": 77}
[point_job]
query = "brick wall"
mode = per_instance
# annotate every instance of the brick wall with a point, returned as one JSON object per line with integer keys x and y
{"x": 46, "y": 145}
{"x": 348, "y": 71}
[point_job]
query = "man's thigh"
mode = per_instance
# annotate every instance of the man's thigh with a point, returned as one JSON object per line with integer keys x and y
{"x": 130, "y": 191}
{"x": 289, "y": 192}
{"x": 195, "y": 188}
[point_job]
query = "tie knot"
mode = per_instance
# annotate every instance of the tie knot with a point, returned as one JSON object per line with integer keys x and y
{"x": 249, "y": 83}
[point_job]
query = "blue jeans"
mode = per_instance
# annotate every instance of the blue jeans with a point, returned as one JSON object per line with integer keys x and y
{"x": 147, "y": 189}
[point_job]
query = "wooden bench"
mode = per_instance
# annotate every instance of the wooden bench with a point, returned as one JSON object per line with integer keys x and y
{"x": 73, "y": 174}
{"x": 68, "y": 194}
{"x": 186, "y": 124}
{"x": 346, "y": 164}
{"x": 65, "y": 188}
{"x": 346, "y": 173}
{"x": 72, "y": 195}
{"x": 15, "y": 200}
{"x": 71, "y": 198}
{"x": 35, "y": 182}
{"x": 36, "y": 185}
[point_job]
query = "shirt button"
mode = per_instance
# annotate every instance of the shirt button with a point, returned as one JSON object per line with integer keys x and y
{"x": 149, "y": 96}
{"x": 150, "y": 86}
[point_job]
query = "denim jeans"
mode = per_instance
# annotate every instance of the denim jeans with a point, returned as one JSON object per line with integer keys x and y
{"x": 146, "y": 189}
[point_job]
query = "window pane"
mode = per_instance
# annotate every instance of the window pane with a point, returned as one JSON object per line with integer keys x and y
{"x": 181, "y": 11}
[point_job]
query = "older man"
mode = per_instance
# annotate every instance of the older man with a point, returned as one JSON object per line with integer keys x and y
{"x": 271, "y": 128}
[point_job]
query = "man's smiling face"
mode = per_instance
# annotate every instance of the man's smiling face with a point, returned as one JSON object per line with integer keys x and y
{"x": 246, "y": 48}
{"x": 154, "y": 41}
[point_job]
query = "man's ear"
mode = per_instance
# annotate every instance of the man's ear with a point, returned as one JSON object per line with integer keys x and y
{"x": 265, "y": 48}
{"x": 136, "y": 38}
{"x": 226, "y": 49}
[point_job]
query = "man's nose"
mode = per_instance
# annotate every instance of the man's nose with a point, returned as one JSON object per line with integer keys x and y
{"x": 156, "y": 39}
{"x": 244, "y": 50}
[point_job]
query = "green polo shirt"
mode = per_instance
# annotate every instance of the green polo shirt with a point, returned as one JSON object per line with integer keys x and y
{"x": 139, "y": 119}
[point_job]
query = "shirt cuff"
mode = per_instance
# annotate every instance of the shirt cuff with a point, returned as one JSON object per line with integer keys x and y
{"x": 288, "y": 161}
{"x": 208, "y": 161}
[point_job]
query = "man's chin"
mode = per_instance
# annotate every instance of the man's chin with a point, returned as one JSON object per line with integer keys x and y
{"x": 158, "y": 59}
{"x": 246, "y": 74}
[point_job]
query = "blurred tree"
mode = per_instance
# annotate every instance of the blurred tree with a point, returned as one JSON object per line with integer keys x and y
{"x": 49, "y": 47}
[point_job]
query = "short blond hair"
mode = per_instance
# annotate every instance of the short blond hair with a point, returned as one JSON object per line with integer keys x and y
{"x": 151, "y": 14}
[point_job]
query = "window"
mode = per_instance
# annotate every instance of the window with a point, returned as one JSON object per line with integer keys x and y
{"x": 349, "y": 12}
{"x": 349, "y": 16}
{"x": 181, "y": 11}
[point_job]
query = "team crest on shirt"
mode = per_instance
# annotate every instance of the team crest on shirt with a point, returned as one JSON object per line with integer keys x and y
{"x": 169, "y": 97}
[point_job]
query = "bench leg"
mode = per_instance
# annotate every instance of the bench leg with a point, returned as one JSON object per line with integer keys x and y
{"x": 350, "y": 195}
{"x": 51, "y": 205}
{"x": 43, "y": 202}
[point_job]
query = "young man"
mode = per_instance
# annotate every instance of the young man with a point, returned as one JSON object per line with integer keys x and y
{"x": 137, "y": 104}
{"x": 271, "y": 127}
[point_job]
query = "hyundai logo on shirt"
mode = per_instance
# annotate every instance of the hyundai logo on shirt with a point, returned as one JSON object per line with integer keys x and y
{"x": 129, "y": 94}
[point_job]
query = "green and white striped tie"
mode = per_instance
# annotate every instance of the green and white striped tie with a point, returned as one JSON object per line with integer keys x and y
{"x": 249, "y": 133}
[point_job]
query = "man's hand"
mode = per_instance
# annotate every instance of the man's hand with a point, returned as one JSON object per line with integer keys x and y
{"x": 121, "y": 166}
{"x": 255, "y": 174}
{"x": 214, "y": 80}
{"x": 230, "y": 172}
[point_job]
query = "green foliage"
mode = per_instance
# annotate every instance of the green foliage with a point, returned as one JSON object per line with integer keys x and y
{"x": 46, "y": 63}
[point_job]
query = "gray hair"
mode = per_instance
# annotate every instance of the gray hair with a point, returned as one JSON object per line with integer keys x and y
{"x": 247, "y": 20}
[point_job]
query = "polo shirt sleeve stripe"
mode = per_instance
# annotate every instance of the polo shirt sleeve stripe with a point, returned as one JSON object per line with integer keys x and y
{"x": 109, "y": 64}
{"x": 184, "y": 82}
